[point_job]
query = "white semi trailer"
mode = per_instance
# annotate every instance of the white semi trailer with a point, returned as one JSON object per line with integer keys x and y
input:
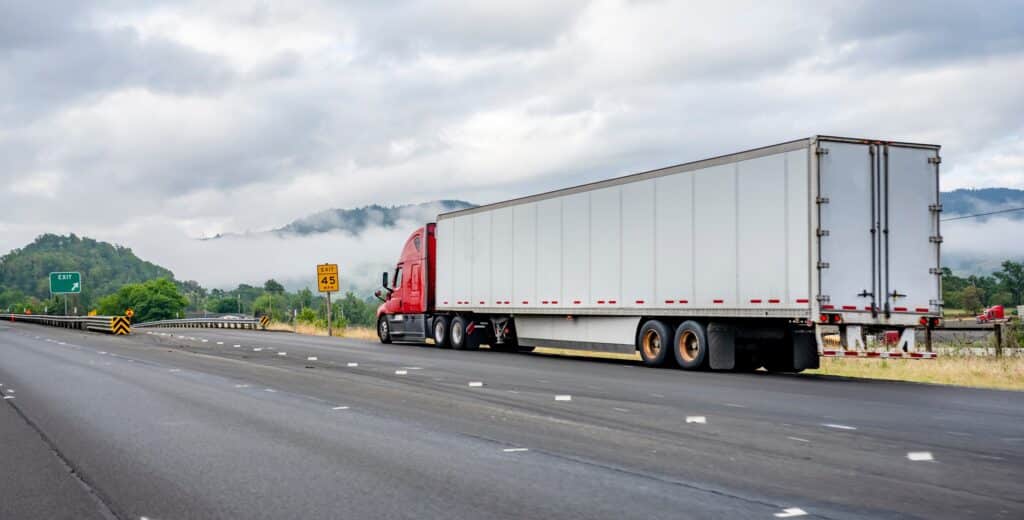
{"x": 733, "y": 262}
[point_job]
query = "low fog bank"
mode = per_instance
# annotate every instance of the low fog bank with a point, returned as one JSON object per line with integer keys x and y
{"x": 290, "y": 259}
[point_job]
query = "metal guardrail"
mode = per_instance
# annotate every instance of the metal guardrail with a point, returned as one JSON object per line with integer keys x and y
{"x": 107, "y": 324}
{"x": 207, "y": 323}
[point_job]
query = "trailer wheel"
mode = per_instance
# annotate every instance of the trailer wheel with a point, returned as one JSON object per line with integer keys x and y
{"x": 383, "y": 329}
{"x": 691, "y": 346}
{"x": 655, "y": 343}
{"x": 441, "y": 332}
{"x": 462, "y": 339}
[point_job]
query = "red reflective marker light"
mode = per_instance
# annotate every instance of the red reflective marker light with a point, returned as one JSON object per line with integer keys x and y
{"x": 837, "y": 318}
{"x": 936, "y": 322}
{"x": 923, "y": 321}
{"x": 823, "y": 318}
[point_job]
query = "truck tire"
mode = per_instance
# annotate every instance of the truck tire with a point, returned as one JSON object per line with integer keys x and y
{"x": 460, "y": 338}
{"x": 383, "y": 329}
{"x": 441, "y": 332}
{"x": 691, "y": 346}
{"x": 654, "y": 343}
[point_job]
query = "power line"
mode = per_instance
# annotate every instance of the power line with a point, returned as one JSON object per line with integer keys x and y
{"x": 984, "y": 214}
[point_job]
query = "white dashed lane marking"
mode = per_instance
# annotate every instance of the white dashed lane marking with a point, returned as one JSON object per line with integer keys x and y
{"x": 401, "y": 372}
{"x": 798, "y": 439}
{"x": 514, "y": 450}
{"x": 918, "y": 456}
{"x": 563, "y": 398}
{"x": 340, "y": 408}
{"x": 475, "y": 383}
{"x": 312, "y": 358}
{"x": 696, "y": 419}
{"x": 352, "y": 364}
{"x": 791, "y": 512}
{"x": 839, "y": 426}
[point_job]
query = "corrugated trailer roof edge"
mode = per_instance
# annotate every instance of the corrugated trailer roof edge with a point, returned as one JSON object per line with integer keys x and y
{"x": 744, "y": 155}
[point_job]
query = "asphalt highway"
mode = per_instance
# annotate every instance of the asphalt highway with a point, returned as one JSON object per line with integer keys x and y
{"x": 212, "y": 423}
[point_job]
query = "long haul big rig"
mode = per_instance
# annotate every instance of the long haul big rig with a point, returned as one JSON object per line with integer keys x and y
{"x": 734, "y": 262}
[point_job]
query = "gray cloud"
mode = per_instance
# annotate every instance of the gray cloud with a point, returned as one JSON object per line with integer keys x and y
{"x": 233, "y": 116}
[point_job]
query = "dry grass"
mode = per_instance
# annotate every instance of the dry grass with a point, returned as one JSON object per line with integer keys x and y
{"x": 972, "y": 371}
{"x": 312, "y": 330}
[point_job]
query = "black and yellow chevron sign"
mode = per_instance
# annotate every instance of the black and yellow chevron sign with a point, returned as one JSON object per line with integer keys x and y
{"x": 264, "y": 321}
{"x": 120, "y": 325}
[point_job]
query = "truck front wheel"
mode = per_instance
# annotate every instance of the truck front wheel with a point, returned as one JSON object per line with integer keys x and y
{"x": 441, "y": 336}
{"x": 383, "y": 329}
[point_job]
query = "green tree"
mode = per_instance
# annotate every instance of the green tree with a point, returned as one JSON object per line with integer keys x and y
{"x": 271, "y": 286}
{"x": 152, "y": 300}
{"x": 1011, "y": 278}
{"x": 972, "y": 298}
{"x": 357, "y": 311}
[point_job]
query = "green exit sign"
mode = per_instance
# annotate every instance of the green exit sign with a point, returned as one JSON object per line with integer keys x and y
{"x": 65, "y": 283}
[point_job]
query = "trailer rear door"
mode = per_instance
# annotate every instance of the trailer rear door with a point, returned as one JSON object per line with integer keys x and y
{"x": 878, "y": 233}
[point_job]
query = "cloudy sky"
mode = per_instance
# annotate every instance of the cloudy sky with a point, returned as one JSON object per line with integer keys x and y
{"x": 152, "y": 123}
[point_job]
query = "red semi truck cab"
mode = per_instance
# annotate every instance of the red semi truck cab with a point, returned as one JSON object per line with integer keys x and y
{"x": 408, "y": 295}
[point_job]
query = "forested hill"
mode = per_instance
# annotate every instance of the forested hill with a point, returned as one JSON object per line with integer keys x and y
{"x": 105, "y": 267}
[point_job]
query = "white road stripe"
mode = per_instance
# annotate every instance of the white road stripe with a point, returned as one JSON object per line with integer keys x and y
{"x": 353, "y": 364}
{"x": 241, "y": 386}
{"x": 839, "y": 426}
{"x": 476, "y": 383}
{"x": 514, "y": 450}
{"x": 920, "y": 456}
{"x": 8, "y": 397}
{"x": 798, "y": 439}
{"x": 697, "y": 419}
{"x": 220, "y": 342}
{"x": 791, "y": 512}
{"x": 271, "y": 390}
{"x": 282, "y": 353}
{"x": 563, "y": 398}
{"x": 340, "y": 408}
{"x": 401, "y": 372}
{"x": 258, "y": 349}
{"x": 312, "y": 358}
{"x": 236, "y": 346}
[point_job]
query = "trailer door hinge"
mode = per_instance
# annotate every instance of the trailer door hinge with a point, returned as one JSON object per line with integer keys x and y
{"x": 897, "y": 294}
{"x": 935, "y": 270}
{"x": 823, "y": 298}
{"x": 822, "y": 265}
{"x": 937, "y": 239}
{"x": 935, "y": 208}
{"x": 821, "y": 200}
{"x": 865, "y": 294}
{"x": 935, "y": 160}
{"x": 821, "y": 150}
{"x": 937, "y": 303}
{"x": 822, "y": 232}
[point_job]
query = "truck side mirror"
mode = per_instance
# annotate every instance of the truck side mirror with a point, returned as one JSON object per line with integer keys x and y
{"x": 384, "y": 279}
{"x": 378, "y": 295}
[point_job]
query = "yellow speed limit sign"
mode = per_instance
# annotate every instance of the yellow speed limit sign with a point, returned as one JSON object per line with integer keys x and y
{"x": 327, "y": 277}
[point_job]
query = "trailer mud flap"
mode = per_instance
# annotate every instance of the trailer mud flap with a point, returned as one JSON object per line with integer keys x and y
{"x": 805, "y": 350}
{"x": 722, "y": 346}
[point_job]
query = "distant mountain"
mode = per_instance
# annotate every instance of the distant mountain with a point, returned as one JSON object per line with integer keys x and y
{"x": 355, "y": 221}
{"x": 105, "y": 267}
{"x": 985, "y": 200}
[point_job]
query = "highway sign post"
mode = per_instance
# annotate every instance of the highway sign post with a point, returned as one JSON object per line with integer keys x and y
{"x": 327, "y": 282}
{"x": 65, "y": 283}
